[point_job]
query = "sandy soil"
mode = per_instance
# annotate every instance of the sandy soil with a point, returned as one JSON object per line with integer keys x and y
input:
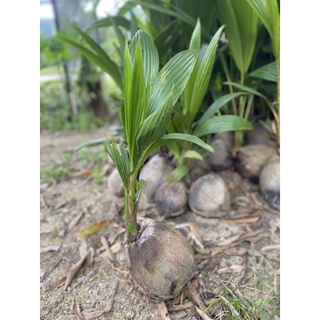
{"x": 235, "y": 260}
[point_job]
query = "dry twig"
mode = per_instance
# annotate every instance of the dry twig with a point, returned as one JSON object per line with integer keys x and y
{"x": 109, "y": 303}
{"x": 84, "y": 261}
{"x": 181, "y": 307}
{"x": 76, "y": 310}
{"x": 108, "y": 251}
{"x": 202, "y": 314}
{"x": 195, "y": 296}
{"x": 75, "y": 221}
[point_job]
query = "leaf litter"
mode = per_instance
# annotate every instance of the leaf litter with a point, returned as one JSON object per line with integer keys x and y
{"x": 224, "y": 246}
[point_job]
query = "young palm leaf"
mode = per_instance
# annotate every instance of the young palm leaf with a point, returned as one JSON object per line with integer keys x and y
{"x": 199, "y": 80}
{"x": 193, "y": 97}
{"x": 242, "y": 28}
{"x": 268, "y": 12}
{"x": 268, "y": 72}
{"x": 96, "y": 55}
{"x": 149, "y": 97}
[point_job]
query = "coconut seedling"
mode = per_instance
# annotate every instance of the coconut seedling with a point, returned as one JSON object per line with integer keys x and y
{"x": 189, "y": 117}
{"x": 160, "y": 259}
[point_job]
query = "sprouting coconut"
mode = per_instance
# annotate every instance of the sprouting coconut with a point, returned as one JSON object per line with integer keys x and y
{"x": 269, "y": 181}
{"x": 250, "y": 160}
{"x": 171, "y": 199}
{"x": 209, "y": 196}
{"x": 222, "y": 144}
{"x": 154, "y": 173}
{"x": 115, "y": 184}
{"x": 260, "y": 135}
{"x": 197, "y": 169}
{"x": 160, "y": 259}
{"x": 161, "y": 262}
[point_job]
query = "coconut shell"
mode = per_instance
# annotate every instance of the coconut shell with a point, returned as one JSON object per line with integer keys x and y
{"x": 269, "y": 182}
{"x": 221, "y": 158}
{"x": 209, "y": 196}
{"x": 115, "y": 184}
{"x": 250, "y": 160}
{"x": 171, "y": 199}
{"x": 161, "y": 261}
{"x": 198, "y": 168}
{"x": 260, "y": 135}
{"x": 154, "y": 173}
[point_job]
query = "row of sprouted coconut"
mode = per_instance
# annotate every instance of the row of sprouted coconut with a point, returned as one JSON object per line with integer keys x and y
{"x": 203, "y": 190}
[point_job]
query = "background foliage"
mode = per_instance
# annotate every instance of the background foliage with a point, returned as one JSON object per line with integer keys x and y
{"x": 247, "y": 57}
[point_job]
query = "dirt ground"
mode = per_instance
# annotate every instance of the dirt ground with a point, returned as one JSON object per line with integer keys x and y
{"x": 238, "y": 257}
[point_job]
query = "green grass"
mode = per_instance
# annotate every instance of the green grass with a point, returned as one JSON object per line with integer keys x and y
{"x": 235, "y": 307}
{"x": 57, "y": 171}
{"x": 87, "y": 156}
{"x": 259, "y": 302}
{"x": 54, "y": 171}
{"x": 87, "y": 159}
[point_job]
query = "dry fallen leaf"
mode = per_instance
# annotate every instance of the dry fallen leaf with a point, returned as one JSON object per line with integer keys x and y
{"x": 116, "y": 247}
{"x": 195, "y": 296}
{"x": 94, "y": 228}
{"x": 109, "y": 303}
{"x": 76, "y": 310}
{"x": 231, "y": 269}
{"x": 236, "y": 251}
{"x": 163, "y": 311}
{"x": 227, "y": 243}
{"x": 75, "y": 269}
{"x": 178, "y": 315}
{"x": 196, "y": 231}
{"x": 247, "y": 219}
{"x": 108, "y": 251}
{"x": 270, "y": 247}
{"x": 83, "y": 249}
{"x": 75, "y": 221}
{"x": 84, "y": 172}
{"x": 202, "y": 314}
{"x": 50, "y": 248}
{"x": 184, "y": 306}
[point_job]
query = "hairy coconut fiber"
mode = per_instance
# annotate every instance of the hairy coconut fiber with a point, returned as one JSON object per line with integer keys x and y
{"x": 160, "y": 260}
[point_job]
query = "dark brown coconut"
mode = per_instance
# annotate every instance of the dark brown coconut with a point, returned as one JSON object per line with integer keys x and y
{"x": 260, "y": 135}
{"x": 160, "y": 260}
{"x": 250, "y": 160}
{"x": 171, "y": 199}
